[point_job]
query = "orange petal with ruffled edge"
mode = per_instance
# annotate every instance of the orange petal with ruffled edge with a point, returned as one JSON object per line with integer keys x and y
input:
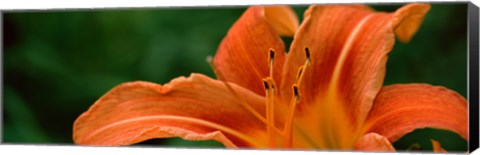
{"x": 402, "y": 108}
{"x": 349, "y": 46}
{"x": 194, "y": 108}
{"x": 242, "y": 56}
{"x": 374, "y": 142}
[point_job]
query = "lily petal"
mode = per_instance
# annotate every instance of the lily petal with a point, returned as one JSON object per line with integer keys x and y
{"x": 374, "y": 142}
{"x": 437, "y": 148}
{"x": 349, "y": 46}
{"x": 242, "y": 56}
{"x": 282, "y": 18}
{"x": 402, "y": 108}
{"x": 408, "y": 19}
{"x": 194, "y": 108}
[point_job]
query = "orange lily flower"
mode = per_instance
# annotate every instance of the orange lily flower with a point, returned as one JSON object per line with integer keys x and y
{"x": 326, "y": 93}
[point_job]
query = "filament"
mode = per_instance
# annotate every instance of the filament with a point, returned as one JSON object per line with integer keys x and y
{"x": 269, "y": 85}
{"x": 289, "y": 122}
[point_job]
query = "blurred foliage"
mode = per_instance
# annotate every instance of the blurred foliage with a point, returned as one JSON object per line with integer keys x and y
{"x": 58, "y": 62}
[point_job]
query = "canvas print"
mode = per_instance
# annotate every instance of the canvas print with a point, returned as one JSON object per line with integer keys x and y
{"x": 336, "y": 77}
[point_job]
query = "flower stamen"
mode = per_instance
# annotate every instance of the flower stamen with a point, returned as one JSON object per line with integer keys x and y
{"x": 269, "y": 85}
{"x": 288, "y": 129}
{"x": 289, "y": 122}
{"x": 244, "y": 103}
{"x": 271, "y": 56}
{"x": 296, "y": 94}
{"x": 307, "y": 55}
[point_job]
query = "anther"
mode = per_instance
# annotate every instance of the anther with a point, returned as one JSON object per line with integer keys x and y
{"x": 307, "y": 55}
{"x": 272, "y": 86}
{"x": 269, "y": 83}
{"x": 271, "y": 56}
{"x": 266, "y": 85}
{"x": 296, "y": 93}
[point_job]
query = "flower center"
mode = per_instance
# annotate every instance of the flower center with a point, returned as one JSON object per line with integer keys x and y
{"x": 270, "y": 90}
{"x": 269, "y": 85}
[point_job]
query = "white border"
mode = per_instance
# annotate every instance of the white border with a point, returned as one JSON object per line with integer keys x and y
{"x": 89, "y": 4}
{"x": 82, "y": 150}
{"x": 26, "y": 5}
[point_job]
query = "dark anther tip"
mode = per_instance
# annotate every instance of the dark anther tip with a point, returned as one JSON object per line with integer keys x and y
{"x": 266, "y": 85}
{"x": 307, "y": 53}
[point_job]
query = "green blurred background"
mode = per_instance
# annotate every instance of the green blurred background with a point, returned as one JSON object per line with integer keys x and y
{"x": 56, "y": 63}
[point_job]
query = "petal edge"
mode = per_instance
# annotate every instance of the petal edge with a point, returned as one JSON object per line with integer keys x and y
{"x": 374, "y": 142}
{"x": 137, "y": 111}
{"x": 242, "y": 56}
{"x": 408, "y": 19}
{"x": 402, "y": 108}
